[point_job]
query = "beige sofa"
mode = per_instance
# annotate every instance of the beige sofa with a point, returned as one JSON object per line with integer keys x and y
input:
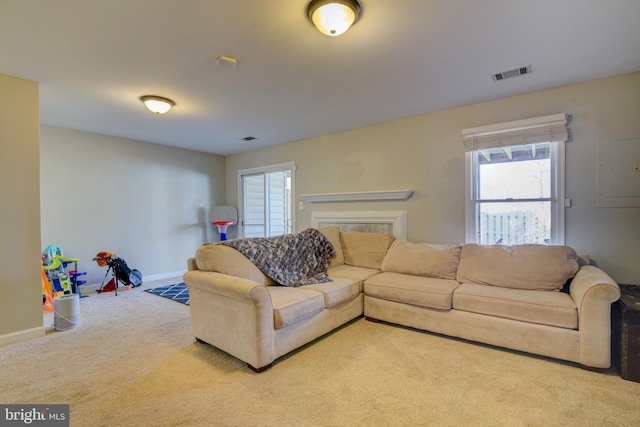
{"x": 536, "y": 299}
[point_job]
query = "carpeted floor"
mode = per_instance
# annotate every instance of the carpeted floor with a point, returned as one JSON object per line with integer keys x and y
{"x": 133, "y": 362}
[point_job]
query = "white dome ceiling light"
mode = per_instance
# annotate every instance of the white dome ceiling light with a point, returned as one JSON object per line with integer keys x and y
{"x": 333, "y": 17}
{"x": 157, "y": 104}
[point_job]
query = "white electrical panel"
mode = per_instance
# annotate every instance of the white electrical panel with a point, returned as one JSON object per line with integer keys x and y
{"x": 619, "y": 173}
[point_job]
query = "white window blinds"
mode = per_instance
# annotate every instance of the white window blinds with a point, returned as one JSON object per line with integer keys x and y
{"x": 265, "y": 195}
{"x": 551, "y": 128}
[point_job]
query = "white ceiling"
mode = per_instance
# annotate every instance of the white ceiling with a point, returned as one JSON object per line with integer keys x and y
{"x": 95, "y": 58}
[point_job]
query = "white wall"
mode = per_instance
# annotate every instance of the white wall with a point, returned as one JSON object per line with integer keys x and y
{"x": 20, "y": 265}
{"x": 148, "y": 203}
{"x": 425, "y": 153}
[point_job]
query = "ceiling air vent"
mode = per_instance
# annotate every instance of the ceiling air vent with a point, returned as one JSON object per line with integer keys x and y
{"x": 511, "y": 73}
{"x": 248, "y": 138}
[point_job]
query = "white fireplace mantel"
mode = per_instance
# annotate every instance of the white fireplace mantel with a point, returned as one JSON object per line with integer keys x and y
{"x": 359, "y": 196}
{"x": 396, "y": 219}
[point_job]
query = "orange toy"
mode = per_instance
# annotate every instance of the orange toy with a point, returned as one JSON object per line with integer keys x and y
{"x": 46, "y": 290}
{"x": 102, "y": 258}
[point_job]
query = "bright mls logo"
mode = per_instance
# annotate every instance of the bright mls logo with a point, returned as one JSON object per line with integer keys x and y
{"x": 35, "y": 415}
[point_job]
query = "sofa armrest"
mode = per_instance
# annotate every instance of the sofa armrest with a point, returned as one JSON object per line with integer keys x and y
{"x": 229, "y": 286}
{"x": 233, "y": 314}
{"x": 191, "y": 264}
{"x": 593, "y": 291}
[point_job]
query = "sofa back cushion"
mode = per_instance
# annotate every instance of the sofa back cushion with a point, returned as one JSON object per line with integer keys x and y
{"x": 362, "y": 249}
{"x": 226, "y": 260}
{"x": 535, "y": 267}
{"x": 333, "y": 235}
{"x": 422, "y": 259}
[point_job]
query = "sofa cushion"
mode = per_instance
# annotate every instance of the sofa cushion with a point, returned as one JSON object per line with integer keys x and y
{"x": 336, "y": 292}
{"x": 226, "y": 260}
{"x": 333, "y": 235}
{"x": 365, "y": 249}
{"x": 355, "y": 274}
{"x": 291, "y": 305}
{"x": 542, "y": 307}
{"x": 414, "y": 290}
{"x": 533, "y": 267}
{"x": 422, "y": 259}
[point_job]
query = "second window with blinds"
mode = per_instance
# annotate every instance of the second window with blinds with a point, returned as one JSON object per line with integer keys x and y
{"x": 515, "y": 182}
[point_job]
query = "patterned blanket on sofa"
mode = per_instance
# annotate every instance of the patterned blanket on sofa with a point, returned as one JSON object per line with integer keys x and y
{"x": 290, "y": 259}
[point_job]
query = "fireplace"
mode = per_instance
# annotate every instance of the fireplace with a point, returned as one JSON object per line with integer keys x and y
{"x": 394, "y": 222}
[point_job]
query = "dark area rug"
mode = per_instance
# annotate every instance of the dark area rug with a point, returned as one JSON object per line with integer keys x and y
{"x": 178, "y": 292}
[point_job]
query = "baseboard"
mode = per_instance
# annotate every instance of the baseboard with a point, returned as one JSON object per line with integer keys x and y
{"x": 18, "y": 336}
{"x": 164, "y": 275}
{"x": 93, "y": 287}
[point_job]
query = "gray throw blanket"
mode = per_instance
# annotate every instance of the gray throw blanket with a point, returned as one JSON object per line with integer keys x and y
{"x": 290, "y": 259}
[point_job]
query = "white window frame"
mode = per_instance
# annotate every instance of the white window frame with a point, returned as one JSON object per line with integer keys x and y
{"x": 520, "y": 132}
{"x": 280, "y": 167}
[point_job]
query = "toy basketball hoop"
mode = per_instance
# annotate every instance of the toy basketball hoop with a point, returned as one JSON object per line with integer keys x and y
{"x": 222, "y": 228}
{"x": 222, "y": 217}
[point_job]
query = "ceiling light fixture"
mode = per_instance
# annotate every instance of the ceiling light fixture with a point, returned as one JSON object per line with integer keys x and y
{"x": 333, "y": 17}
{"x": 157, "y": 104}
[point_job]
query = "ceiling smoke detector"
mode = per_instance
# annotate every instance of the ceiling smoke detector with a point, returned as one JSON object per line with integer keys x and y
{"x": 511, "y": 73}
{"x": 227, "y": 61}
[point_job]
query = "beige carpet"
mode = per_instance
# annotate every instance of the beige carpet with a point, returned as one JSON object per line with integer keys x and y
{"x": 133, "y": 362}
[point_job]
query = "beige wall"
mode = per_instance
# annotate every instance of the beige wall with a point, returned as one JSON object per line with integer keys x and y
{"x": 148, "y": 203}
{"x": 425, "y": 153}
{"x": 20, "y": 265}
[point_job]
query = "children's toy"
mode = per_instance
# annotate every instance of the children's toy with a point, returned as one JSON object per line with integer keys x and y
{"x": 222, "y": 217}
{"x": 222, "y": 228}
{"x": 59, "y": 280}
{"x": 47, "y": 295}
{"x": 119, "y": 270}
{"x": 56, "y": 278}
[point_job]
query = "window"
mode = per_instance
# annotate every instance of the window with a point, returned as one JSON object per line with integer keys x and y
{"x": 515, "y": 182}
{"x": 265, "y": 200}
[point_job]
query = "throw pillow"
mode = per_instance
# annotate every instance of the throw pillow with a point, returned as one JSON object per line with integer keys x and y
{"x": 333, "y": 235}
{"x": 534, "y": 267}
{"x": 363, "y": 249}
{"x": 422, "y": 259}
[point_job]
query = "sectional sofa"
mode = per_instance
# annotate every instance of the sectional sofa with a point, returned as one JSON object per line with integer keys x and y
{"x": 538, "y": 299}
